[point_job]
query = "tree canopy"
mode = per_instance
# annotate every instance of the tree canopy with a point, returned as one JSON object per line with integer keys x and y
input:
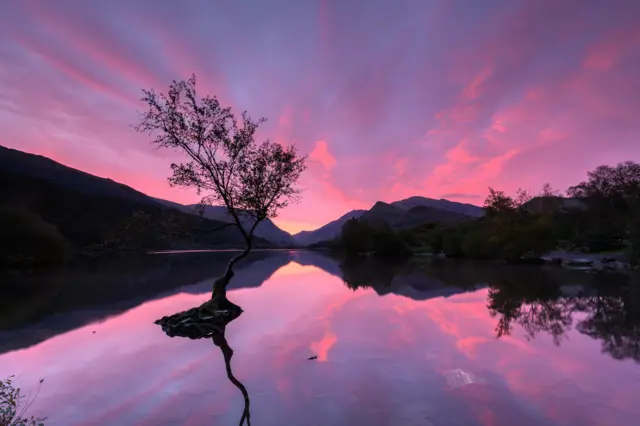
{"x": 622, "y": 180}
{"x": 224, "y": 162}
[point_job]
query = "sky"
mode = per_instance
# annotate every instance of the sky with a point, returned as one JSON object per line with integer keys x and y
{"x": 389, "y": 99}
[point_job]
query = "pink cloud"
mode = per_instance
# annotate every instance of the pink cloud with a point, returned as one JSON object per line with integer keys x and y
{"x": 611, "y": 50}
{"x": 459, "y": 154}
{"x": 474, "y": 90}
{"x": 323, "y": 346}
{"x": 82, "y": 77}
{"x": 322, "y": 155}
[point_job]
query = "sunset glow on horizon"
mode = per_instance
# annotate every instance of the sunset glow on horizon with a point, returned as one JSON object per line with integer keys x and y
{"x": 389, "y": 100}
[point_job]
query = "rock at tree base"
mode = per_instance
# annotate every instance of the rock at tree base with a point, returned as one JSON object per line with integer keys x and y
{"x": 198, "y": 323}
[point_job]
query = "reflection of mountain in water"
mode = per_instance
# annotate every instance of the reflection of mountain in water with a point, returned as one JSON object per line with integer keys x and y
{"x": 409, "y": 278}
{"x": 538, "y": 300}
{"x": 76, "y": 297}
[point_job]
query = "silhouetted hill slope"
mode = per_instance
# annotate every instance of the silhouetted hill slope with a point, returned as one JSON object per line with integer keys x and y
{"x": 58, "y": 175}
{"x": 420, "y": 215}
{"x": 327, "y": 232}
{"x": 441, "y": 204}
{"x": 383, "y": 213}
{"x": 87, "y": 209}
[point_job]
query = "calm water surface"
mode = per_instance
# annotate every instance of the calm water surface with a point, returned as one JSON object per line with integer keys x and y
{"x": 423, "y": 343}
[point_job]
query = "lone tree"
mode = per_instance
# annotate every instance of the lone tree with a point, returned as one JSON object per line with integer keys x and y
{"x": 224, "y": 163}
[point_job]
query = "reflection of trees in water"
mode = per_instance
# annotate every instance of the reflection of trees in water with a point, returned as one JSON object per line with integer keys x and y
{"x": 527, "y": 296}
{"x": 382, "y": 273}
{"x": 536, "y": 309}
{"x": 203, "y": 322}
{"x": 364, "y": 272}
{"x": 613, "y": 313}
{"x": 615, "y": 321}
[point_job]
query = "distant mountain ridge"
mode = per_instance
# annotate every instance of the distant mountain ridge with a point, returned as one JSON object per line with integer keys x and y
{"x": 442, "y": 204}
{"x": 265, "y": 229}
{"x": 326, "y": 232}
{"x": 407, "y": 213}
{"x": 392, "y": 215}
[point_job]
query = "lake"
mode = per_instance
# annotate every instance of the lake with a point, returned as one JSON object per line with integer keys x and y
{"x": 424, "y": 342}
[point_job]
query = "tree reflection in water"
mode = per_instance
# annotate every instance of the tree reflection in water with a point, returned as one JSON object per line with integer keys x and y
{"x": 535, "y": 308}
{"x": 612, "y": 313}
{"x": 203, "y": 322}
{"x": 537, "y": 299}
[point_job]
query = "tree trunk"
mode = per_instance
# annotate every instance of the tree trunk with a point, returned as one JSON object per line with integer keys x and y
{"x": 219, "y": 290}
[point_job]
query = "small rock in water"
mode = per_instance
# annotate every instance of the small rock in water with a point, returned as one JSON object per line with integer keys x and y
{"x": 198, "y": 323}
{"x": 312, "y": 357}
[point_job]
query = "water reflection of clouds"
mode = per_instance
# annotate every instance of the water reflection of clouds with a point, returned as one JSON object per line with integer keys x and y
{"x": 383, "y": 360}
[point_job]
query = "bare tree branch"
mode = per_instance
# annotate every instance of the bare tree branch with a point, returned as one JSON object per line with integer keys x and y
{"x": 223, "y": 161}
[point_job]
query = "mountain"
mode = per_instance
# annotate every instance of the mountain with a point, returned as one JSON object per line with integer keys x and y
{"x": 389, "y": 214}
{"x": 45, "y": 169}
{"x": 420, "y": 215}
{"x": 548, "y": 205}
{"x": 401, "y": 214}
{"x": 327, "y": 232}
{"x": 442, "y": 204}
{"x": 382, "y": 213}
{"x": 87, "y": 209}
{"x": 266, "y": 229}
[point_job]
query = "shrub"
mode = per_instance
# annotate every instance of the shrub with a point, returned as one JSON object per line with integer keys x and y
{"x": 13, "y": 406}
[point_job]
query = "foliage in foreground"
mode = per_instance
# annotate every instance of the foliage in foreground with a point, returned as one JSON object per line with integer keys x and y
{"x": 14, "y": 405}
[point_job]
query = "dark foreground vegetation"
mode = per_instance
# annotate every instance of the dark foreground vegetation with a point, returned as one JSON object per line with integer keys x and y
{"x": 601, "y": 214}
{"x": 14, "y": 405}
